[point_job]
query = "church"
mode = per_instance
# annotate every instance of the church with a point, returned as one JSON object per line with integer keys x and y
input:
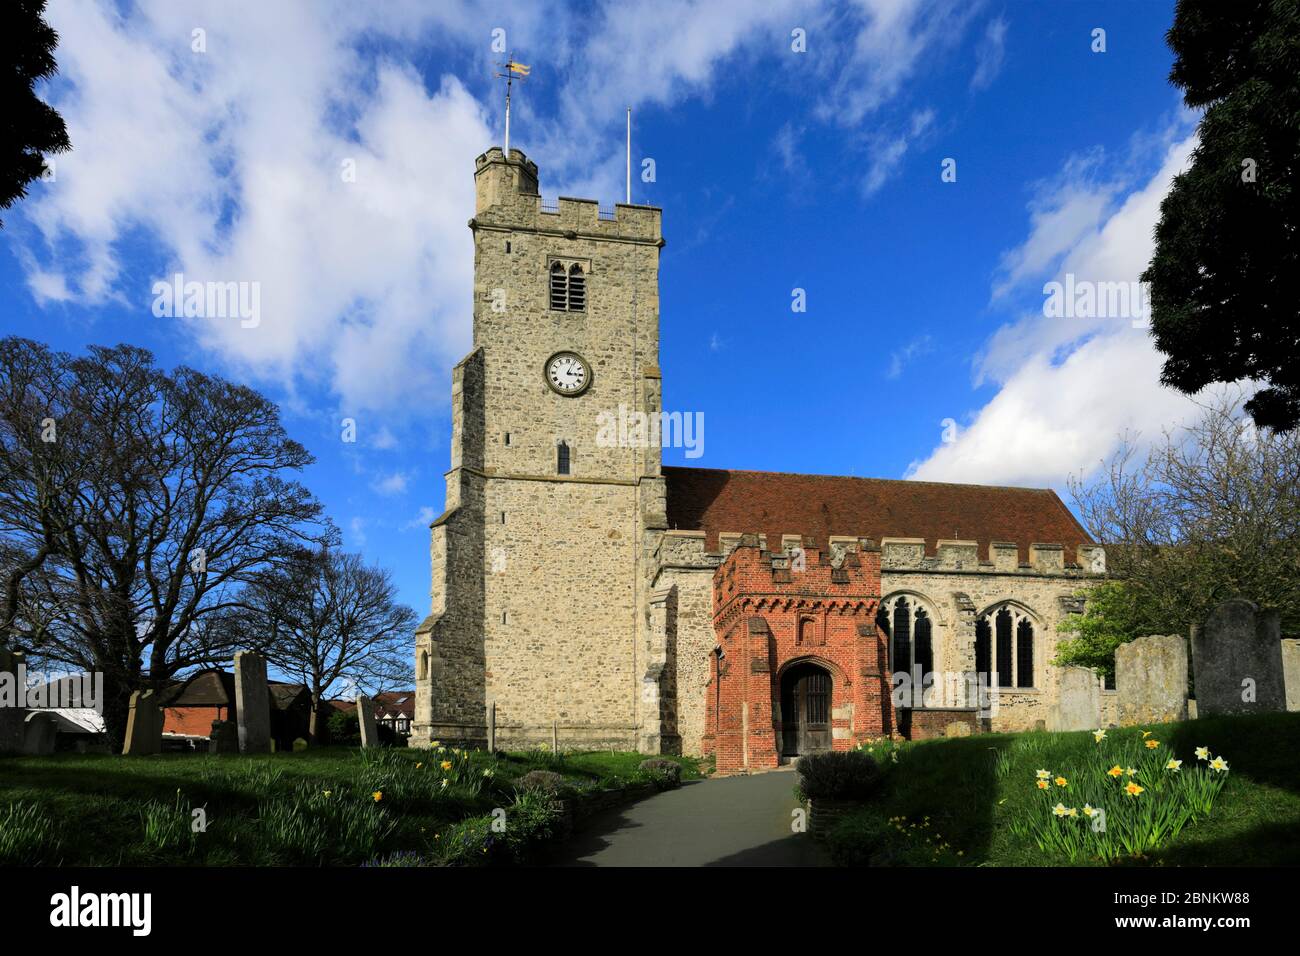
{"x": 585, "y": 593}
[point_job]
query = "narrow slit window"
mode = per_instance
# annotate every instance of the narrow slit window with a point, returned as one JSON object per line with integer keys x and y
{"x": 562, "y": 458}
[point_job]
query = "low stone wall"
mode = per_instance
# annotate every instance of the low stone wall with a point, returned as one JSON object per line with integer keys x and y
{"x": 931, "y": 722}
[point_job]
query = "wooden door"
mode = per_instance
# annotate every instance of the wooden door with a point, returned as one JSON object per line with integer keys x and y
{"x": 814, "y": 692}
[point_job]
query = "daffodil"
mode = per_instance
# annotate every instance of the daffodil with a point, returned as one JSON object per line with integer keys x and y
{"x": 1043, "y": 785}
{"x": 378, "y": 795}
{"x": 1060, "y": 781}
{"x": 1099, "y": 735}
{"x": 1116, "y": 771}
{"x": 1218, "y": 763}
{"x": 1130, "y": 771}
{"x": 1132, "y": 789}
{"x": 436, "y": 744}
{"x": 419, "y": 766}
{"x": 1174, "y": 765}
{"x": 1089, "y": 809}
{"x": 1152, "y": 744}
{"x": 1061, "y": 810}
{"x": 1202, "y": 753}
{"x": 327, "y": 792}
{"x": 1044, "y": 774}
{"x": 444, "y": 783}
{"x": 1146, "y": 734}
{"x": 446, "y": 765}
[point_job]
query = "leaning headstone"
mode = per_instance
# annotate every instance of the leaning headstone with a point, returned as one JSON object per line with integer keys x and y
{"x": 1291, "y": 672}
{"x": 11, "y": 715}
{"x": 223, "y": 738}
{"x": 143, "y": 725}
{"x": 252, "y": 703}
{"x": 1151, "y": 680}
{"x": 39, "y": 733}
{"x": 366, "y": 720}
{"x": 1237, "y": 661}
{"x": 1078, "y": 701}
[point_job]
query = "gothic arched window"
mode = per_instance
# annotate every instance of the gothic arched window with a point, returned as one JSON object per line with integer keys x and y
{"x": 568, "y": 288}
{"x": 910, "y": 632}
{"x": 577, "y": 289}
{"x": 1004, "y": 643}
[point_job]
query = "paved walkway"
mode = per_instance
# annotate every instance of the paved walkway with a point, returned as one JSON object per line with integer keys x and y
{"x": 733, "y": 821}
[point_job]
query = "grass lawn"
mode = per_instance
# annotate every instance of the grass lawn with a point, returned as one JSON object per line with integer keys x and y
{"x": 968, "y": 801}
{"x": 310, "y": 808}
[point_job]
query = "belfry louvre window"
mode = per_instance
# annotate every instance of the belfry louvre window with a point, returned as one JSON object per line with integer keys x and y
{"x": 568, "y": 289}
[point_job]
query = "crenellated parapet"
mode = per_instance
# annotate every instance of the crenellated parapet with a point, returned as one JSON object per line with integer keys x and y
{"x": 508, "y": 198}
{"x": 909, "y": 554}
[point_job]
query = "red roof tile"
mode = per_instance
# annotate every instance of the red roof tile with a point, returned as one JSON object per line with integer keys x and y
{"x": 773, "y": 503}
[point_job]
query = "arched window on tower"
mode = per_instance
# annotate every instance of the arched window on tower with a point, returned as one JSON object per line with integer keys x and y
{"x": 577, "y": 289}
{"x": 562, "y": 458}
{"x": 559, "y": 287}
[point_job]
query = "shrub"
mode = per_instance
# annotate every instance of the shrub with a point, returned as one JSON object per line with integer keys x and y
{"x": 27, "y": 836}
{"x": 859, "y": 839}
{"x": 664, "y": 774}
{"x": 544, "y": 780}
{"x": 842, "y": 775}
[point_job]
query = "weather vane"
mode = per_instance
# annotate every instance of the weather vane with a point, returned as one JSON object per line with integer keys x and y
{"x": 512, "y": 69}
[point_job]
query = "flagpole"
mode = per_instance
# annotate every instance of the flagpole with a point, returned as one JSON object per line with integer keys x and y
{"x": 629, "y": 155}
{"x": 509, "y": 79}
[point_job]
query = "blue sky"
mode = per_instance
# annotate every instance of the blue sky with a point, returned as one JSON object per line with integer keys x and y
{"x": 219, "y": 153}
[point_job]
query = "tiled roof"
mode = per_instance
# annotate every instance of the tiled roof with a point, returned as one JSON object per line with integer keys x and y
{"x": 820, "y": 506}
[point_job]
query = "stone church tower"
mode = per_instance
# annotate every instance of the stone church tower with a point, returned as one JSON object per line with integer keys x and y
{"x": 539, "y": 562}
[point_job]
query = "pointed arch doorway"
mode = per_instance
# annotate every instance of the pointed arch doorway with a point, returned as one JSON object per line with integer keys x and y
{"x": 805, "y": 710}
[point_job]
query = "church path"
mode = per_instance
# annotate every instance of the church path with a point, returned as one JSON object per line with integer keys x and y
{"x": 732, "y": 821}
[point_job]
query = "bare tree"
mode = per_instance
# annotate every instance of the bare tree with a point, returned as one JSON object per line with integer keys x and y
{"x": 1211, "y": 512}
{"x": 326, "y": 617}
{"x": 150, "y": 499}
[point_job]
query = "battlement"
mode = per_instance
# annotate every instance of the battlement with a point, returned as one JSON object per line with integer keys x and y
{"x": 508, "y": 198}
{"x": 686, "y": 549}
{"x": 752, "y": 573}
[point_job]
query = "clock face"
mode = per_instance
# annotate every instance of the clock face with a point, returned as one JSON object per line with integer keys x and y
{"x": 567, "y": 373}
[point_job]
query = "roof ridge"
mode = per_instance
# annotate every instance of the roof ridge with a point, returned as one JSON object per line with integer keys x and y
{"x": 899, "y": 481}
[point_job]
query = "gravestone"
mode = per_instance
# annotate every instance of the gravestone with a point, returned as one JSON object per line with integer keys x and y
{"x": 1237, "y": 661}
{"x": 1078, "y": 701}
{"x": 956, "y": 728}
{"x": 223, "y": 738}
{"x": 1151, "y": 680}
{"x": 143, "y": 725}
{"x": 252, "y": 703}
{"x": 1291, "y": 672}
{"x": 366, "y": 720}
{"x": 11, "y": 715}
{"x": 39, "y": 733}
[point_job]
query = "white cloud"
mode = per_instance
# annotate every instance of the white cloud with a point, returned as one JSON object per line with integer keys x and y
{"x": 394, "y": 484}
{"x": 887, "y": 152}
{"x": 921, "y": 345}
{"x": 423, "y": 518}
{"x": 1068, "y": 387}
{"x": 991, "y": 52}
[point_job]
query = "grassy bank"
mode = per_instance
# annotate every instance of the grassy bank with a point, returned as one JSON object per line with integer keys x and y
{"x": 319, "y": 807}
{"x": 976, "y": 800}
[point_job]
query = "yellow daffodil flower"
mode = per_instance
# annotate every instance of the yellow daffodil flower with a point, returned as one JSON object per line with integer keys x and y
{"x": 1132, "y": 789}
{"x": 446, "y": 765}
{"x": 1060, "y": 781}
{"x": 1043, "y": 774}
{"x": 1152, "y": 744}
{"x": 1218, "y": 763}
{"x": 378, "y": 795}
{"x": 1060, "y": 810}
{"x": 1089, "y": 809}
{"x": 1115, "y": 771}
{"x": 1146, "y": 734}
{"x": 1130, "y": 771}
{"x": 1099, "y": 735}
{"x": 1174, "y": 765}
{"x": 1043, "y": 785}
{"x": 1202, "y": 753}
